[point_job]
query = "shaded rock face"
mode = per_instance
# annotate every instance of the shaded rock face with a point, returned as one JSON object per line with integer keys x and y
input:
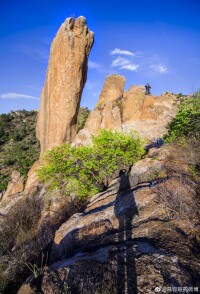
{"x": 65, "y": 79}
{"x": 129, "y": 110}
{"x": 126, "y": 240}
{"x": 16, "y": 185}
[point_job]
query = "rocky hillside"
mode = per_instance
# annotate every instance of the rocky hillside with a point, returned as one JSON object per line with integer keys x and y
{"x": 142, "y": 233}
{"x": 19, "y": 148}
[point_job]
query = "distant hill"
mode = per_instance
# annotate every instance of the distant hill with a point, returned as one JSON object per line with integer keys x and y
{"x": 19, "y": 147}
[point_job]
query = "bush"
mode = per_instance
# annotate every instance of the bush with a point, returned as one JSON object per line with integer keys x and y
{"x": 4, "y": 179}
{"x": 82, "y": 117}
{"x": 19, "y": 244}
{"x": 187, "y": 119}
{"x": 84, "y": 170}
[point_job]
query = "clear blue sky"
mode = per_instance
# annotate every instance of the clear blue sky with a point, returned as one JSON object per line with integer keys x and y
{"x": 155, "y": 41}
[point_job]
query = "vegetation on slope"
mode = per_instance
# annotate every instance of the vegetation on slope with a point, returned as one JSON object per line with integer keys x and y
{"x": 19, "y": 147}
{"x": 82, "y": 117}
{"x": 184, "y": 160}
{"x": 84, "y": 170}
{"x": 186, "y": 123}
{"x": 184, "y": 132}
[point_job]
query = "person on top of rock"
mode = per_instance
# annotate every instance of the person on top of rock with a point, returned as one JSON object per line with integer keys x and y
{"x": 147, "y": 87}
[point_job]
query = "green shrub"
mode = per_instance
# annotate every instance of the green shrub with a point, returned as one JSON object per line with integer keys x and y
{"x": 84, "y": 170}
{"x": 187, "y": 119}
{"x": 82, "y": 117}
{"x": 4, "y": 179}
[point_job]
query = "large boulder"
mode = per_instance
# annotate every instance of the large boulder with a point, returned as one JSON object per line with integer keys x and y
{"x": 132, "y": 238}
{"x": 107, "y": 113}
{"x": 113, "y": 88}
{"x": 65, "y": 79}
{"x": 16, "y": 185}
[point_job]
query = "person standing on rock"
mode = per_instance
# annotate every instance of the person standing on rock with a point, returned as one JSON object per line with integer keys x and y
{"x": 147, "y": 87}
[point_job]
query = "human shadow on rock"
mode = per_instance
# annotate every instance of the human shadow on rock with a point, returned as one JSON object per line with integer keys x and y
{"x": 125, "y": 210}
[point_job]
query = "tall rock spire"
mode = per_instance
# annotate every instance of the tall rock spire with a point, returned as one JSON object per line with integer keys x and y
{"x": 65, "y": 79}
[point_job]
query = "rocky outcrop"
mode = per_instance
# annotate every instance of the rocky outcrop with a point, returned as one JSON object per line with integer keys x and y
{"x": 147, "y": 114}
{"x": 16, "y": 185}
{"x": 32, "y": 180}
{"x": 28, "y": 221}
{"x": 65, "y": 79}
{"x": 129, "y": 110}
{"x": 130, "y": 238}
{"x": 113, "y": 89}
{"x": 107, "y": 113}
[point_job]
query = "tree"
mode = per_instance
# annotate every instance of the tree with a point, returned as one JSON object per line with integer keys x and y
{"x": 83, "y": 170}
{"x": 187, "y": 120}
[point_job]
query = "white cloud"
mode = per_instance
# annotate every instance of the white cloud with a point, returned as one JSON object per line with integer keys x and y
{"x": 17, "y": 96}
{"x": 131, "y": 66}
{"x": 93, "y": 65}
{"x": 121, "y": 52}
{"x": 119, "y": 61}
{"x": 159, "y": 68}
{"x": 124, "y": 63}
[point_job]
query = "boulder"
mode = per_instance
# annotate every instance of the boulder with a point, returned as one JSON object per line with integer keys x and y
{"x": 16, "y": 185}
{"x": 65, "y": 79}
{"x": 32, "y": 180}
{"x": 107, "y": 113}
{"x": 125, "y": 241}
{"x": 113, "y": 89}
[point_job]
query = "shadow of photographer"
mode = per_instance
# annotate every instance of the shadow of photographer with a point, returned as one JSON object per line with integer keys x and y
{"x": 125, "y": 210}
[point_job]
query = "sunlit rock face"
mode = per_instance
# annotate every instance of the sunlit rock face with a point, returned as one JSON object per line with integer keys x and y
{"x": 65, "y": 79}
{"x": 128, "y": 110}
{"x": 16, "y": 185}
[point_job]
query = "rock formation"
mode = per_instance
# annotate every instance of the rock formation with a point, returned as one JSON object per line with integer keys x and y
{"x": 65, "y": 79}
{"x": 125, "y": 241}
{"x": 16, "y": 185}
{"x": 32, "y": 180}
{"x": 147, "y": 114}
{"x": 139, "y": 234}
{"x": 113, "y": 89}
{"x": 129, "y": 110}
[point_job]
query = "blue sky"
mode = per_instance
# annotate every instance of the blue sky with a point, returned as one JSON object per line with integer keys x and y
{"x": 146, "y": 41}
